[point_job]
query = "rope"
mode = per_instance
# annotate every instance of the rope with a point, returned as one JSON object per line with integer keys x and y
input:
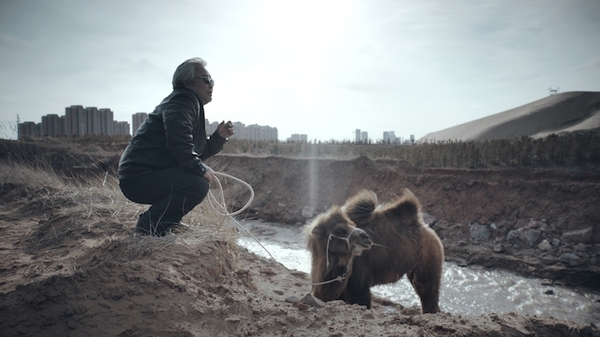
{"x": 222, "y": 205}
{"x": 211, "y": 196}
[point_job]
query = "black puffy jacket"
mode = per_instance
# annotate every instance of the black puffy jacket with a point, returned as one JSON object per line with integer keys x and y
{"x": 173, "y": 135}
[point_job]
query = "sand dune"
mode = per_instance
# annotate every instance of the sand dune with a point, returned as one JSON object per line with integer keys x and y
{"x": 564, "y": 112}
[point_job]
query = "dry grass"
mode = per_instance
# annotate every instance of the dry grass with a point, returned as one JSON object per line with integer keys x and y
{"x": 95, "y": 200}
{"x": 568, "y": 150}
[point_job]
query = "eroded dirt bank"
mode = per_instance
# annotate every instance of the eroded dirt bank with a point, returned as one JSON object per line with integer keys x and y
{"x": 542, "y": 223}
{"x": 72, "y": 265}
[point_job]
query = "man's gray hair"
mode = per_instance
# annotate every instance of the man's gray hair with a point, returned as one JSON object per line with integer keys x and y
{"x": 186, "y": 72}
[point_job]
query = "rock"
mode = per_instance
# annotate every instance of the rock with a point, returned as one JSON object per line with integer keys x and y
{"x": 523, "y": 237}
{"x": 135, "y": 265}
{"x": 391, "y": 311}
{"x": 581, "y": 247}
{"x": 429, "y": 219}
{"x": 441, "y": 225}
{"x": 311, "y": 301}
{"x": 479, "y": 232}
{"x": 572, "y": 259}
{"x": 292, "y": 299}
{"x": 499, "y": 248}
{"x": 514, "y": 215}
{"x": 579, "y": 236}
{"x": 533, "y": 261}
{"x": 548, "y": 260}
{"x": 411, "y": 311}
{"x": 308, "y": 212}
{"x": 549, "y": 292}
{"x": 503, "y": 224}
{"x": 545, "y": 246}
{"x": 533, "y": 235}
{"x": 301, "y": 306}
{"x": 555, "y": 242}
{"x": 168, "y": 282}
{"x": 521, "y": 223}
{"x": 267, "y": 271}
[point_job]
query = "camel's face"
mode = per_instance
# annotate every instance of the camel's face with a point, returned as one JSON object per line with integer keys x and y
{"x": 343, "y": 238}
{"x": 359, "y": 241}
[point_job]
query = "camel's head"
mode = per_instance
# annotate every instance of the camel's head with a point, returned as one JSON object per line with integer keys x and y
{"x": 336, "y": 234}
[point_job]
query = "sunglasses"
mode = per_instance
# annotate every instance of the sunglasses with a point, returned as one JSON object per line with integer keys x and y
{"x": 207, "y": 79}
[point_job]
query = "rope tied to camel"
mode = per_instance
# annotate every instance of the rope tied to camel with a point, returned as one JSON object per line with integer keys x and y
{"x": 212, "y": 200}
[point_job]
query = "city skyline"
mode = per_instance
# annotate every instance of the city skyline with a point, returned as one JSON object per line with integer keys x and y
{"x": 79, "y": 120}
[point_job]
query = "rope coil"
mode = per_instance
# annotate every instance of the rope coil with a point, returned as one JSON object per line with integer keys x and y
{"x": 222, "y": 205}
{"x": 212, "y": 198}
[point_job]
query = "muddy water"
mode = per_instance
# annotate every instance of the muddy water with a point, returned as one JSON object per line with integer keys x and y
{"x": 465, "y": 291}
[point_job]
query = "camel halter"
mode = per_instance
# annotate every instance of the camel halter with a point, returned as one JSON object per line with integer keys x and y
{"x": 222, "y": 205}
{"x": 331, "y": 236}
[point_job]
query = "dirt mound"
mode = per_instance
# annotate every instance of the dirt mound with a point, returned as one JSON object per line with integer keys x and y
{"x": 70, "y": 264}
{"x": 125, "y": 283}
{"x": 71, "y": 268}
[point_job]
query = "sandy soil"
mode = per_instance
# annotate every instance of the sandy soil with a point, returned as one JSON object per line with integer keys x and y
{"x": 71, "y": 265}
{"x": 103, "y": 280}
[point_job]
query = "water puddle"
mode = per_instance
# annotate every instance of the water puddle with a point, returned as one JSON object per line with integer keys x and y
{"x": 465, "y": 291}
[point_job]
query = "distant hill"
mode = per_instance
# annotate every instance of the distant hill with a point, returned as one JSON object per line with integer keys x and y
{"x": 564, "y": 112}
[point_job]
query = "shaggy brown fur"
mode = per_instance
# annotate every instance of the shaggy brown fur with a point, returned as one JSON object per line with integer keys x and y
{"x": 402, "y": 244}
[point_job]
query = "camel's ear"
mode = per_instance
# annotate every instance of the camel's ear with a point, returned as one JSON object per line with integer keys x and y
{"x": 315, "y": 231}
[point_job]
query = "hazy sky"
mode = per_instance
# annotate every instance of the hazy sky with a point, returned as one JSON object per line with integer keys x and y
{"x": 316, "y": 67}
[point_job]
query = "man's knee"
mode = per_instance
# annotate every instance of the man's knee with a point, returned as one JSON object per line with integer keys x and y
{"x": 197, "y": 190}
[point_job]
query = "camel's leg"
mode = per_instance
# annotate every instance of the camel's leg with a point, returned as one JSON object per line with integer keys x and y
{"x": 427, "y": 285}
{"x": 426, "y": 278}
{"x": 358, "y": 288}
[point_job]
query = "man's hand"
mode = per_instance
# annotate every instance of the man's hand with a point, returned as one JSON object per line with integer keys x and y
{"x": 225, "y": 130}
{"x": 209, "y": 175}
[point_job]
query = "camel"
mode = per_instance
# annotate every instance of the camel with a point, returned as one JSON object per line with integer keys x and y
{"x": 363, "y": 244}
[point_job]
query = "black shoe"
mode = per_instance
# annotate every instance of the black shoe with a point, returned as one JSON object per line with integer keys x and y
{"x": 146, "y": 227}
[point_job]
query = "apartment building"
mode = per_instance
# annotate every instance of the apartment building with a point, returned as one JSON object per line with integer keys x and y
{"x": 250, "y": 132}
{"x": 77, "y": 121}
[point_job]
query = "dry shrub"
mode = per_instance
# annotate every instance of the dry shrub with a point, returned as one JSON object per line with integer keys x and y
{"x": 94, "y": 204}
